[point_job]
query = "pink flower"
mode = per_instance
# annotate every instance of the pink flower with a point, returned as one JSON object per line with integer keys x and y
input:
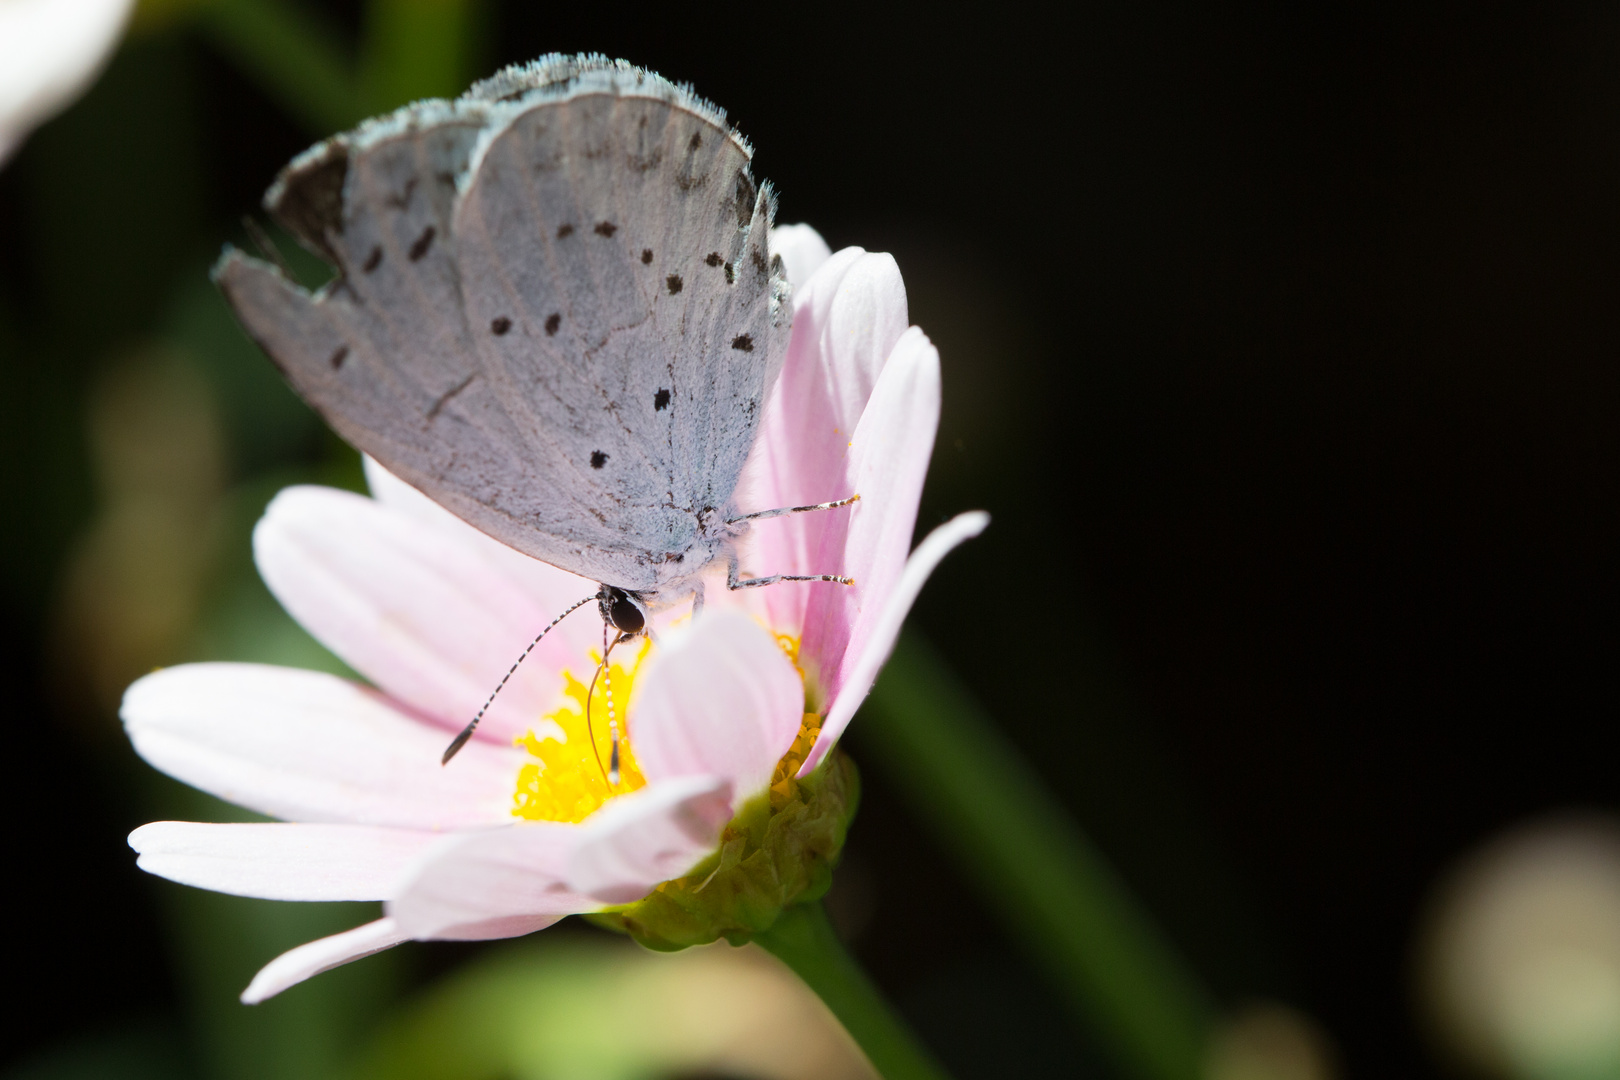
{"x": 524, "y": 827}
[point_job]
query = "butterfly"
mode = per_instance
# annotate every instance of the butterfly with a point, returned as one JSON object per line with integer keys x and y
{"x": 555, "y": 312}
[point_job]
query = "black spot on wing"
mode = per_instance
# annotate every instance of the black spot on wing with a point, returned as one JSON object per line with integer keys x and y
{"x": 422, "y": 243}
{"x": 339, "y": 356}
{"x": 373, "y": 260}
{"x": 500, "y": 325}
{"x": 553, "y": 321}
{"x": 661, "y": 400}
{"x": 695, "y": 142}
{"x": 743, "y": 343}
{"x": 674, "y": 283}
{"x": 598, "y": 459}
{"x": 714, "y": 258}
{"x": 564, "y": 231}
{"x": 646, "y": 256}
{"x": 605, "y": 228}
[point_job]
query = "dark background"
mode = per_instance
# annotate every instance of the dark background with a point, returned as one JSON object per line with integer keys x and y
{"x": 1281, "y": 346}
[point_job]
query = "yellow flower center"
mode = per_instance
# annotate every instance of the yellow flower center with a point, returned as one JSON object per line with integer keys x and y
{"x": 570, "y": 778}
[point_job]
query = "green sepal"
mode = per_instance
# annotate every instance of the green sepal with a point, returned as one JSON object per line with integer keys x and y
{"x": 769, "y": 859}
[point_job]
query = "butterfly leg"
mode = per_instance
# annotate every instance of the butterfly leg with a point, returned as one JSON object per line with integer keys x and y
{"x": 735, "y": 582}
{"x": 762, "y": 514}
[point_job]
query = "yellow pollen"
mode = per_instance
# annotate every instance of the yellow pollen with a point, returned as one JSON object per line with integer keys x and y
{"x": 783, "y": 782}
{"x": 566, "y": 781}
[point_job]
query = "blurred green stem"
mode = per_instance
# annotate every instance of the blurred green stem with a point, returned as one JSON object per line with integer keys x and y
{"x": 295, "y": 57}
{"x": 803, "y": 939}
{"x": 415, "y": 49}
{"x": 411, "y": 49}
{"x": 1055, "y": 891}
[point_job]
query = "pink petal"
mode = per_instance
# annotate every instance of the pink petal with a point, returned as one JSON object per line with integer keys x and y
{"x": 879, "y": 642}
{"x": 720, "y": 699}
{"x": 863, "y": 324}
{"x": 802, "y": 250}
{"x": 482, "y": 884}
{"x": 396, "y": 494}
{"x": 504, "y": 926}
{"x": 846, "y": 321}
{"x": 307, "y": 961}
{"x": 427, "y": 608}
{"x": 280, "y": 862}
{"x": 889, "y": 461}
{"x": 530, "y": 574}
{"x": 649, "y": 836}
{"x": 306, "y": 746}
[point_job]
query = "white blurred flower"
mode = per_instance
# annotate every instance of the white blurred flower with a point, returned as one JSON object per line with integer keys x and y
{"x": 1521, "y": 960}
{"x": 1267, "y": 1040}
{"x": 50, "y": 52}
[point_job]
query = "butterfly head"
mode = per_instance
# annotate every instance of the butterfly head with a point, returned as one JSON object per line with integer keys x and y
{"x": 622, "y": 610}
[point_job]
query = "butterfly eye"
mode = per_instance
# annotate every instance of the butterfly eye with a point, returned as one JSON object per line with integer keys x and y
{"x": 624, "y": 614}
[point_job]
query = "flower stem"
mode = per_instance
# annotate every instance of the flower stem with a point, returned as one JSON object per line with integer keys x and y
{"x": 803, "y": 939}
{"x": 1056, "y": 892}
{"x": 295, "y": 57}
{"x": 415, "y": 49}
{"x": 410, "y": 49}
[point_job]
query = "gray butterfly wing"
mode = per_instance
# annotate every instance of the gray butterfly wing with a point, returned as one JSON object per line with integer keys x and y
{"x": 380, "y": 349}
{"x": 608, "y": 446}
{"x": 618, "y": 244}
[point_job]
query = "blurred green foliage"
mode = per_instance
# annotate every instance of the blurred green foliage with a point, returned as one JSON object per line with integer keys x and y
{"x": 1051, "y": 886}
